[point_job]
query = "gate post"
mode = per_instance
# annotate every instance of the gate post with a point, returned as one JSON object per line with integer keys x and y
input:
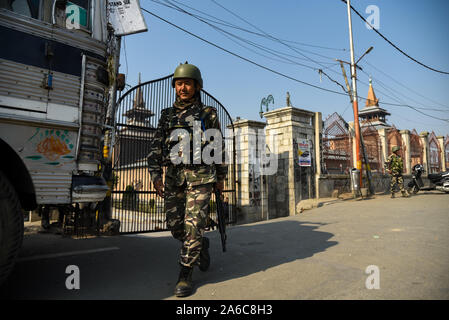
{"x": 425, "y": 157}
{"x": 248, "y": 193}
{"x": 290, "y": 125}
{"x": 442, "y": 152}
{"x": 384, "y": 144}
{"x": 405, "y": 134}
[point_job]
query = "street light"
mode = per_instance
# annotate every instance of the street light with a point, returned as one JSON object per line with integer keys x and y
{"x": 344, "y": 72}
{"x": 356, "y": 64}
{"x": 366, "y": 52}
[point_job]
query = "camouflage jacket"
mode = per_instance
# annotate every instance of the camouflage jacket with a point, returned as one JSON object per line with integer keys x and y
{"x": 172, "y": 118}
{"x": 395, "y": 164}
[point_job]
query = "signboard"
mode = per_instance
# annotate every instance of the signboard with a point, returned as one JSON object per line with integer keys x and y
{"x": 304, "y": 156}
{"x": 126, "y": 17}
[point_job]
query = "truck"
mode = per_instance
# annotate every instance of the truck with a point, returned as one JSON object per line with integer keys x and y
{"x": 58, "y": 83}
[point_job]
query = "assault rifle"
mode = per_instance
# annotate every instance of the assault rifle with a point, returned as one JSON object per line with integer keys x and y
{"x": 221, "y": 219}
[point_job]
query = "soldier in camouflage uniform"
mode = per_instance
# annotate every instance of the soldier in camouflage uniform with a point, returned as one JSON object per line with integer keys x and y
{"x": 188, "y": 184}
{"x": 394, "y": 166}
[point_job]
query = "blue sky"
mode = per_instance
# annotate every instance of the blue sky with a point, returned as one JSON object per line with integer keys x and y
{"x": 320, "y": 28}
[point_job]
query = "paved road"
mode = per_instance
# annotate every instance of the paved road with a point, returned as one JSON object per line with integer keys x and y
{"x": 321, "y": 254}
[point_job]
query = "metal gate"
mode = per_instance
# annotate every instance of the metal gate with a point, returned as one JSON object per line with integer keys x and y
{"x": 336, "y": 145}
{"x": 134, "y": 200}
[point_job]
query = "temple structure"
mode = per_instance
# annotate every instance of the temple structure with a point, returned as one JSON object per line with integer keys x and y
{"x": 133, "y": 135}
{"x": 138, "y": 115}
{"x": 372, "y": 114}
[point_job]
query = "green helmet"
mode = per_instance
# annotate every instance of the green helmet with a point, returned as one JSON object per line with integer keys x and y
{"x": 187, "y": 71}
{"x": 395, "y": 148}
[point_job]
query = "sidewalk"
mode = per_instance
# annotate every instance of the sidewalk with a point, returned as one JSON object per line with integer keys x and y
{"x": 317, "y": 203}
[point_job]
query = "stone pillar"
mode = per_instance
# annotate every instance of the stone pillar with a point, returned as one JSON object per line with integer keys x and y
{"x": 289, "y": 125}
{"x": 405, "y": 134}
{"x": 442, "y": 153}
{"x": 384, "y": 144}
{"x": 246, "y": 152}
{"x": 424, "y": 136}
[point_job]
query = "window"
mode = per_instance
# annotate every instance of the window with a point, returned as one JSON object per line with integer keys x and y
{"x": 28, "y": 8}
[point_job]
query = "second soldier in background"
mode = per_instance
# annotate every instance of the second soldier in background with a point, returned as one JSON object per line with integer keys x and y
{"x": 188, "y": 187}
{"x": 394, "y": 166}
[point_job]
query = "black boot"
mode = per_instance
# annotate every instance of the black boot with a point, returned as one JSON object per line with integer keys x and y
{"x": 184, "y": 287}
{"x": 204, "y": 255}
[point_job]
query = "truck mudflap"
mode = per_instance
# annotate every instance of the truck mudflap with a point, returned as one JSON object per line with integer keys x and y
{"x": 89, "y": 189}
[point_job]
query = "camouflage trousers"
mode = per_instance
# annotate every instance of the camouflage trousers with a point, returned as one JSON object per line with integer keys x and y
{"x": 187, "y": 216}
{"x": 397, "y": 180}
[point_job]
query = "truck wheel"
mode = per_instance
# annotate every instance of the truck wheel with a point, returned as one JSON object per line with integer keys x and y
{"x": 11, "y": 227}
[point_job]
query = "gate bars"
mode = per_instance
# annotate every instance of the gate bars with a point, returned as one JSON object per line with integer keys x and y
{"x": 134, "y": 200}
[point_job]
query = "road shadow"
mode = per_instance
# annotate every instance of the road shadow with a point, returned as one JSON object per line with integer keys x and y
{"x": 146, "y": 267}
{"x": 258, "y": 247}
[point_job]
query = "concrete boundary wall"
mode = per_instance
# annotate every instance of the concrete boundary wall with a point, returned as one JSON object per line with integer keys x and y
{"x": 261, "y": 195}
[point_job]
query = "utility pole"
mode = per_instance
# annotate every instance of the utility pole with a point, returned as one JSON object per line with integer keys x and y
{"x": 355, "y": 104}
{"x": 365, "y": 156}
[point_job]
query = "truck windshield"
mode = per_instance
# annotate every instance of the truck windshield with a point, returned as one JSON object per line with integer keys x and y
{"x": 28, "y": 8}
{"x": 73, "y": 14}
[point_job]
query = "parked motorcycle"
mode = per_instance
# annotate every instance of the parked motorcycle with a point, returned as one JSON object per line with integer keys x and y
{"x": 438, "y": 181}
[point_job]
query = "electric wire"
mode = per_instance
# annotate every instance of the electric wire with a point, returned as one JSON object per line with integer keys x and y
{"x": 222, "y": 22}
{"x": 398, "y": 99}
{"x": 228, "y": 35}
{"x": 402, "y": 104}
{"x": 267, "y": 34}
{"x": 241, "y": 57}
{"x": 392, "y": 44}
{"x": 320, "y": 71}
{"x": 404, "y": 86}
{"x": 230, "y": 25}
{"x": 277, "y": 72}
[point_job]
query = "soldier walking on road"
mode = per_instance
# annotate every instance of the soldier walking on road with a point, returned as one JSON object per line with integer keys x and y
{"x": 189, "y": 184}
{"x": 394, "y": 166}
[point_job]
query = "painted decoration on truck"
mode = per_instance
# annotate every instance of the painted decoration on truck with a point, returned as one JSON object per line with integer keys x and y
{"x": 51, "y": 146}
